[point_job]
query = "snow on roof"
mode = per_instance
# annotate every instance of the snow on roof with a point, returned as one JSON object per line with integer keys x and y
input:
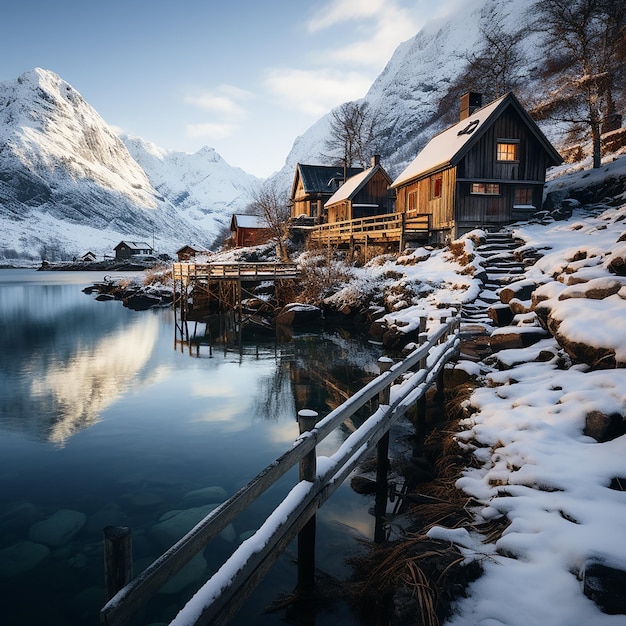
{"x": 249, "y": 221}
{"x": 352, "y": 185}
{"x": 442, "y": 148}
{"x": 135, "y": 245}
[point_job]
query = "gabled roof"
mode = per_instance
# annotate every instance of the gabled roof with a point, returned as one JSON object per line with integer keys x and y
{"x": 319, "y": 178}
{"x": 192, "y": 246}
{"x": 449, "y": 147}
{"x": 247, "y": 221}
{"x": 354, "y": 184}
{"x": 135, "y": 245}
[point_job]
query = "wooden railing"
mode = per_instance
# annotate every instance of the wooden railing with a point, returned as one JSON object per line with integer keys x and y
{"x": 223, "y": 594}
{"x": 217, "y": 271}
{"x": 388, "y": 227}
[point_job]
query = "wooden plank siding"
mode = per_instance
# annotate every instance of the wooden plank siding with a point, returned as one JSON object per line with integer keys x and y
{"x": 416, "y": 197}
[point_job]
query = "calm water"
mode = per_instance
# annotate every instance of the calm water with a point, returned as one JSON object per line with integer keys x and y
{"x": 106, "y": 419}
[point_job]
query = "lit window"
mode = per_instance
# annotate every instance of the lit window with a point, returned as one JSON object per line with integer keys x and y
{"x": 485, "y": 189}
{"x": 507, "y": 151}
{"x": 436, "y": 186}
{"x": 523, "y": 196}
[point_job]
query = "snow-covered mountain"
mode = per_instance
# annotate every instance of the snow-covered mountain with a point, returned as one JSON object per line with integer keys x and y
{"x": 406, "y": 95}
{"x": 68, "y": 184}
{"x": 202, "y": 186}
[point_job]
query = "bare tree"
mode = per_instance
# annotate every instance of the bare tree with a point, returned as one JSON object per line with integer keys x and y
{"x": 586, "y": 39}
{"x": 354, "y": 134}
{"x": 272, "y": 203}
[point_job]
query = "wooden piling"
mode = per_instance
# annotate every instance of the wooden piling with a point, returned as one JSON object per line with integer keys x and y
{"x": 382, "y": 462}
{"x": 306, "y": 537}
{"x": 118, "y": 559}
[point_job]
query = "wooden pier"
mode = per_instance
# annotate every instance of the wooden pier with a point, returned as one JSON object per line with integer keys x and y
{"x": 196, "y": 284}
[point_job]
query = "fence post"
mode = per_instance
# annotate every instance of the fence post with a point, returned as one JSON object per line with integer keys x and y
{"x": 420, "y": 418}
{"x": 306, "y": 537}
{"x": 382, "y": 462}
{"x": 118, "y": 559}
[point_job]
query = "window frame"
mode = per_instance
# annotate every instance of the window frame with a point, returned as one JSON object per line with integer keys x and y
{"x": 436, "y": 186}
{"x": 489, "y": 189}
{"x": 507, "y": 148}
{"x": 528, "y": 199}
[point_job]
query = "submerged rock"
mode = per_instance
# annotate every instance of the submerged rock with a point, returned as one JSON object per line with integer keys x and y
{"x": 58, "y": 529}
{"x": 188, "y": 575}
{"x": 21, "y": 557}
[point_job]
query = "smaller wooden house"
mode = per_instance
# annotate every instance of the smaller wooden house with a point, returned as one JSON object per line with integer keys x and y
{"x": 249, "y": 230}
{"x": 313, "y": 186}
{"x": 88, "y": 257}
{"x": 363, "y": 195}
{"x": 128, "y": 249}
{"x": 190, "y": 251}
{"x": 487, "y": 170}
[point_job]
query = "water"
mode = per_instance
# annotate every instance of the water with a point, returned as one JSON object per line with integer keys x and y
{"x": 106, "y": 417}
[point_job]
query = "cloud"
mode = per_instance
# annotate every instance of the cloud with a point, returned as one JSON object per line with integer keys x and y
{"x": 338, "y": 11}
{"x": 209, "y": 130}
{"x": 382, "y": 26}
{"x": 224, "y": 100}
{"x": 315, "y": 92}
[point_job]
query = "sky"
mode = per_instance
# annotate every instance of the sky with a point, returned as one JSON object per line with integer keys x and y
{"x": 242, "y": 76}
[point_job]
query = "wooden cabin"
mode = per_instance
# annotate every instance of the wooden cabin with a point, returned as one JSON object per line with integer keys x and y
{"x": 190, "y": 251}
{"x": 128, "y": 249}
{"x": 487, "y": 170}
{"x": 249, "y": 230}
{"x": 363, "y": 195}
{"x": 313, "y": 186}
{"x": 88, "y": 257}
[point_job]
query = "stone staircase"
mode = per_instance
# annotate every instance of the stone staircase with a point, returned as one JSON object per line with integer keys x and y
{"x": 500, "y": 268}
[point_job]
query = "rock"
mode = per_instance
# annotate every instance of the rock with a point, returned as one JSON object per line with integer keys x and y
{"x": 514, "y": 337}
{"x": 206, "y": 495}
{"x": 173, "y": 525}
{"x": 603, "y": 427}
{"x": 596, "y": 289}
{"x": 522, "y": 290}
{"x": 296, "y": 314}
{"x": 362, "y": 485}
{"x": 140, "y": 302}
{"x": 58, "y": 529}
{"x": 21, "y": 557}
{"x": 501, "y": 314}
{"x": 605, "y": 586}
{"x": 18, "y": 516}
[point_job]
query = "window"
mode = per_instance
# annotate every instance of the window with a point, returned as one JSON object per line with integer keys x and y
{"x": 485, "y": 189}
{"x": 507, "y": 150}
{"x": 523, "y": 196}
{"x": 436, "y": 185}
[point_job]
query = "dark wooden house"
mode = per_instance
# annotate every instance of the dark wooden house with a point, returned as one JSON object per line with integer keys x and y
{"x": 363, "y": 195}
{"x": 487, "y": 170}
{"x": 190, "y": 251}
{"x": 313, "y": 186}
{"x": 128, "y": 249}
{"x": 249, "y": 230}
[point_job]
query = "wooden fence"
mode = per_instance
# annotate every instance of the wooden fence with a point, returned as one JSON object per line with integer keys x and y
{"x": 378, "y": 229}
{"x": 399, "y": 387}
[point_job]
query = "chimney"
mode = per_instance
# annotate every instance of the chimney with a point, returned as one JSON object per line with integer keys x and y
{"x": 470, "y": 102}
{"x": 376, "y": 160}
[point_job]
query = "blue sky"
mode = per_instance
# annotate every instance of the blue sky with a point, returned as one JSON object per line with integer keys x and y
{"x": 242, "y": 76}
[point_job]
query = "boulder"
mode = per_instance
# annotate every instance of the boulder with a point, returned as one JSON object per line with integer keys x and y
{"x": 501, "y": 314}
{"x": 603, "y": 427}
{"x": 58, "y": 529}
{"x": 522, "y": 290}
{"x": 605, "y": 585}
{"x": 514, "y": 337}
{"x": 140, "y": 301}
{"x": 296, "y": 314}
{"x": 21, "y": 557}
